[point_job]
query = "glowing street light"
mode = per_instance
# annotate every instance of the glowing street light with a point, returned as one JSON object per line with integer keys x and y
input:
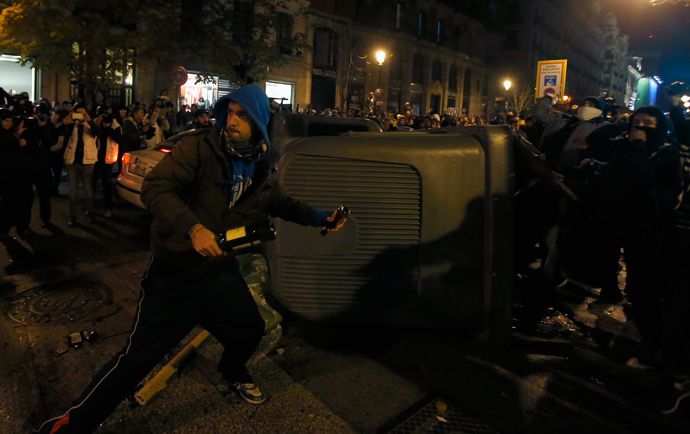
{"x": 507, "y": 84}
{"x": 380, "y": 57}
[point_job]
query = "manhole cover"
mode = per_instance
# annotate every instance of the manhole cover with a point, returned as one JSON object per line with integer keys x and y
{"x": 429, "y": 420}
{"x": 65, "y": 302}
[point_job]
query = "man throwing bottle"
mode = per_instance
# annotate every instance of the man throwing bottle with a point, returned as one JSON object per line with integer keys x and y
{"x": 213, "y": 180}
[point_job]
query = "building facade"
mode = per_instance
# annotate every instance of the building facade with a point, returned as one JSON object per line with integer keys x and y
{"x": 615, "y": 73}
{"x": 546, "y": 30}
{"x": 440, "y": 55}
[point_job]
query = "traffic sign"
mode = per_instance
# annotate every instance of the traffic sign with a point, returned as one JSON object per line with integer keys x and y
{"x": 178, "y": 75}
{"x": 551, "y": 77}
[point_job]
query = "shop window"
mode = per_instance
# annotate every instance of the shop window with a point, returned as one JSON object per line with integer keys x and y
{"x": 280, "y": 92}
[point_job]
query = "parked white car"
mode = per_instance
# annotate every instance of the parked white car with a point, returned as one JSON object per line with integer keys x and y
{"x": 137, "y": 164}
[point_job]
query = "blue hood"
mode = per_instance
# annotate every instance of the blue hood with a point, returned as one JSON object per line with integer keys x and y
{"x": 254, "y": 101}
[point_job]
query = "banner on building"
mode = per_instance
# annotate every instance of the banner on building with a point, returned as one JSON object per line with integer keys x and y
{"x": 551, "y": 77}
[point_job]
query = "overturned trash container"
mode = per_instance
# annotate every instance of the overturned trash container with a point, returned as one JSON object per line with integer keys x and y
{"x": 429, "y": 239}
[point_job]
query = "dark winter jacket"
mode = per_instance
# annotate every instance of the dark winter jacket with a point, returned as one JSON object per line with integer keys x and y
{"x": 640, "y": 186}
{"x": 191, "y": 185}
{"x": 132, "y": 134}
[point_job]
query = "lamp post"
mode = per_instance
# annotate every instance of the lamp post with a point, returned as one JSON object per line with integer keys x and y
{"x": 507, "y": 85}
{"x": 380, "y": 57}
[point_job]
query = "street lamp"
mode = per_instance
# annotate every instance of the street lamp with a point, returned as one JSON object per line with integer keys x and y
{"x": 380, "y": 57}
{"x": 506, "y": 85}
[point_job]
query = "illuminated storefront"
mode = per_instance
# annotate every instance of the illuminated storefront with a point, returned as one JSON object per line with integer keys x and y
{"x": 281, "y": 92}
{"x": 204, "y": 95}
{"x": 15, "y": 78}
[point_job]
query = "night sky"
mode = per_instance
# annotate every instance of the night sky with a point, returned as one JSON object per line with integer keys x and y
{"x": 670, "y": 27}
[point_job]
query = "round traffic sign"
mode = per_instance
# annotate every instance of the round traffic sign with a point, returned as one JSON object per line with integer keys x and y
{"x": 178, "y": 75}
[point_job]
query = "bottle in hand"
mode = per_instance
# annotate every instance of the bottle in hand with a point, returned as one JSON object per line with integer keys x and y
{"x": 247, "y": 236}
{"x": 340, "y": 214}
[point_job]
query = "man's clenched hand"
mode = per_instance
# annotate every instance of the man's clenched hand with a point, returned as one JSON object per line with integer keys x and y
{"x": 204, "y": 241}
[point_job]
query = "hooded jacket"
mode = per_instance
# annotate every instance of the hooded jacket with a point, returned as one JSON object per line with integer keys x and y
{"x": 560, "y": 135}
{"x": 192, "y": 185}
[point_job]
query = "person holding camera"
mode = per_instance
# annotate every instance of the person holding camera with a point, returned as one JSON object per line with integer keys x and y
{"x": 159, "y": 121}
{"x": 81, "y": 153}
{"x": 108, "y": 150}
{"x": 214, "y": 180}
{"x": 135, "y": 130}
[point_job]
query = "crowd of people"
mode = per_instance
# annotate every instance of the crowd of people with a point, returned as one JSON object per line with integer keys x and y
{"x": 594, "y": 190}
{"x": 39, "y": 140}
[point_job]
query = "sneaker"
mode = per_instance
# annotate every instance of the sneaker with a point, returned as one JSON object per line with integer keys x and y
{"x": 670, "y": 398}
{"x": 108, "y": 213}
{"x": 250, "y": 392}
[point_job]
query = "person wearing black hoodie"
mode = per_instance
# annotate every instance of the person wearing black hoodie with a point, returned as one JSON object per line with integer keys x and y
{"x": 108, "y": 142}
{"x": 212, "y": 181}
{"x": 636, "y": 206}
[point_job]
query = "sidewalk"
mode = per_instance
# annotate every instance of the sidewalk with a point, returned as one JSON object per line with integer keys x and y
{"x": 93, "y": 285}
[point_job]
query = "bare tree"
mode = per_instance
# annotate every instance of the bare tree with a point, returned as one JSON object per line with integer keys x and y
{"x": 352, "y": 65}
{"x": 521, "y": 98}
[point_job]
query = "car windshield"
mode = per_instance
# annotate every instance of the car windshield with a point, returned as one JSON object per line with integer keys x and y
{"x": 169, "y": 144}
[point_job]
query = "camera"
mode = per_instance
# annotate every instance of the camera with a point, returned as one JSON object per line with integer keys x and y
{"x": 30, "y": 123}
{"x": 678, "y": 88}
{"x": 77, "y": 116}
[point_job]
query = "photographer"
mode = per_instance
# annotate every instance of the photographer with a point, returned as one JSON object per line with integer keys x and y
{"x": 135, "y": 131}
{"x": 108, "y": 150}
{"x": 81, "y": 153}
{"x": 159, "y": 120}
